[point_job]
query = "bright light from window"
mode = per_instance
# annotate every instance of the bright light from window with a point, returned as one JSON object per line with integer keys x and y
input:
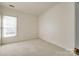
{"x": 9, "y": 26}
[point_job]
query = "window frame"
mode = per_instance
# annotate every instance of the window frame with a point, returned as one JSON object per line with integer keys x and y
{"x": 16, "y": 26}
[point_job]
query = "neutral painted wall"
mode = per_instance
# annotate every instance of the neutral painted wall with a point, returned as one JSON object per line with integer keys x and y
{"x": 77, "y": 24}
{"x": 27, "y": 25}
{"x": 57, "y": 25}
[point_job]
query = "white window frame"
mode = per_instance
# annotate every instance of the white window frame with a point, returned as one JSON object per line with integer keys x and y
{"x": 9, "y": 35}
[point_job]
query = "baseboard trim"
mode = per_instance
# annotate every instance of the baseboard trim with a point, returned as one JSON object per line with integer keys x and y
{"x": 70, "y": 50}
{"x": 18, "y": 41}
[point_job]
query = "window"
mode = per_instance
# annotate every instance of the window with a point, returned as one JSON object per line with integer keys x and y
{"x": 9, "y": 26}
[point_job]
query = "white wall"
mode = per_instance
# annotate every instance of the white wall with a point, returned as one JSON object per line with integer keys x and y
{"x": 57, "y": 25}
{"x": 27, "y": 26}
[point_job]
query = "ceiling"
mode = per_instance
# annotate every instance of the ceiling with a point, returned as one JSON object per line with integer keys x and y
{"x": 35, "y": 8}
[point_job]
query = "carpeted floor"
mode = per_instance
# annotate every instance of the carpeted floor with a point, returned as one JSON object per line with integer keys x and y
{"x": 34, "y": 47}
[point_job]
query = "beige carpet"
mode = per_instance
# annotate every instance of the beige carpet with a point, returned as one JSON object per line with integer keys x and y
{"x": 34, "y": 47}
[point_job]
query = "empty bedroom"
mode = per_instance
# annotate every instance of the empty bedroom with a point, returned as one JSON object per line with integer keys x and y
{"x": 37, "y": 28}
